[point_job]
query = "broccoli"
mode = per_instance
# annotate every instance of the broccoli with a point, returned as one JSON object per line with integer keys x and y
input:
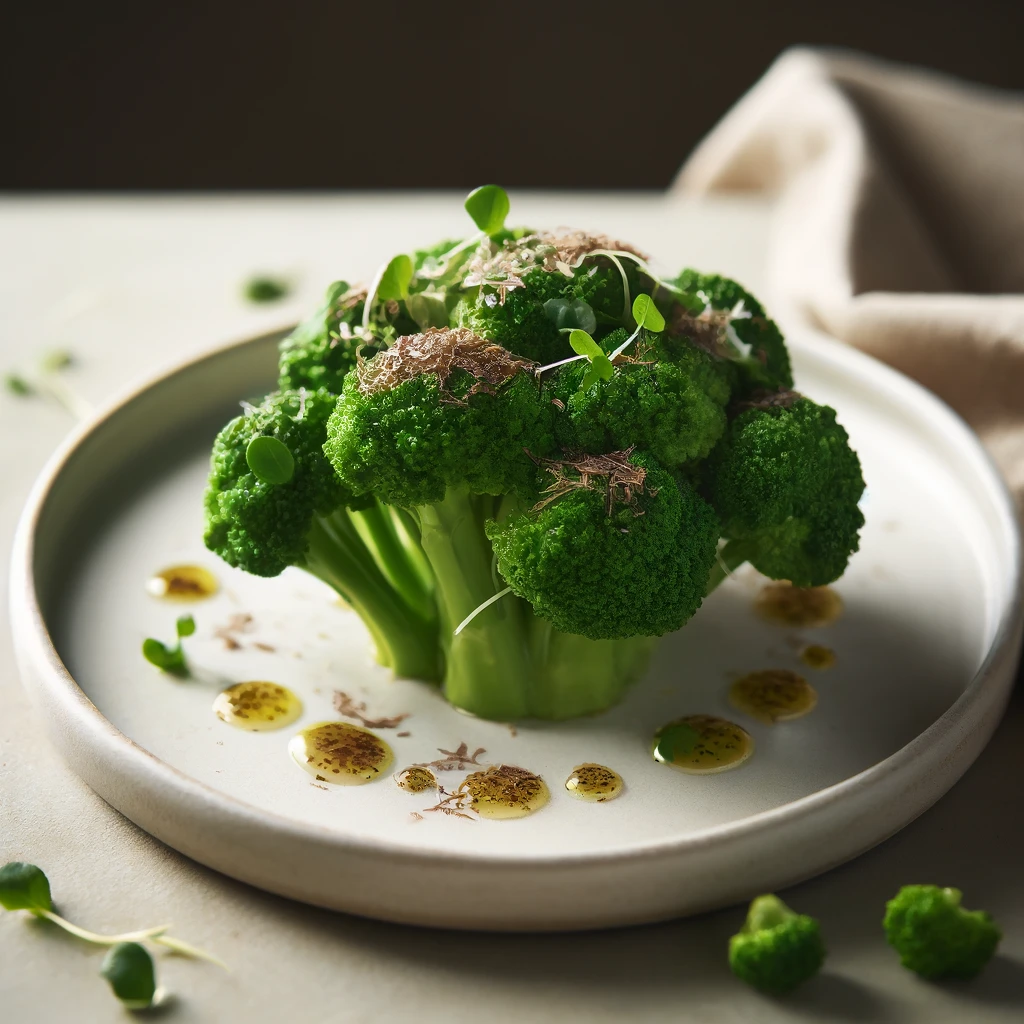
{"x": 786, "y": 484}
{"x": 777, "y": 949}
{"x": 311, "y": 521}
{"x": 518, "y": 462}
{"x": 935, "y": 937}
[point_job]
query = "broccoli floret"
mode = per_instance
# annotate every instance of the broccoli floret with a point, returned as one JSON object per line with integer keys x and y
{"x": 935, "y": 937}
{"x": 322, "y": 349}
{"x": 766, "y": 365}
{"x": 312, "y": 521}
{"x": 674, "y": 410}
{"x": 777, "y": 949}
{"x": 625, "y": 554}
{"x": 786, "y": 484}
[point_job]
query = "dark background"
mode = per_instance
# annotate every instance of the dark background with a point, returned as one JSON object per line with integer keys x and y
{"x": 379, "y": 95}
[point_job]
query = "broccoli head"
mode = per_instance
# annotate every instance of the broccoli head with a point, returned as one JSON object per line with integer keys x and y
{"x": 264, "y": 527}
{"x": 322, "y": 349}
{"x": 732, "y": 315}
{"x": 935, "y": 937}
{"x": 436, "y": 410}
{"x": 673, "y": 410}
{"x": 777, "y": 949}
{"x": 786, "y": 484}
{"x": 617, "y": 548}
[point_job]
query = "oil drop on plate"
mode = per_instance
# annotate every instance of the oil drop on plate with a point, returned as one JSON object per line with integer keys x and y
{"x": 702, "y": 744}
{"x": 594, "y": 783}
{"x": 798, "y": 607}
{"x": 339, "y": 753}
{"x": 185, "y": 583}
{"x": 774, "y": 695}
{"x": 257, "y": 706}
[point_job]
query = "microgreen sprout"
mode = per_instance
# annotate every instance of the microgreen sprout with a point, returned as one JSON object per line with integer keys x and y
{"x": 129, "y": 969}
{"x": 262, "y": 288}
{"x": 392, "y": 282}
{"x": 600, "y": 365}
{"x": 647, "y": 317}
{"x": 17, "y": 385}
{"x": 170, "y": 659}
{"x": 488, "y": 205}
{"x": 479, "y": 608}
{"x": 270, "y": 460}
{"x": 26, "y": 887}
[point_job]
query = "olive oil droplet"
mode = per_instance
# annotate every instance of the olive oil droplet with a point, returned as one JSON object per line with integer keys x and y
{"x": 183, "y": 583}
{"x": 816, "y": 656}
{"x": 594, "y": 783}
{"x": 257, "y": 706}
{"x": 505, "y": 791}
{"x": 774, "y": 695}
{"x": 807, "y": 607}
{"x": 702, "y": 744}
{"x": 416, "y": 779}
{"x": 339, "y": 753}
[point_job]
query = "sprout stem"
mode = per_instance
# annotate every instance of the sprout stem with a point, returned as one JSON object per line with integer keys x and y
{"x": 187, "y": 949}
{"x": 479, "y": 608}
{"x": 102, "y": 940}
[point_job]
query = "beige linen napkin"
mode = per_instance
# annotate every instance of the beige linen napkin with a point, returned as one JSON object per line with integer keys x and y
{"x": 899, "y": 221}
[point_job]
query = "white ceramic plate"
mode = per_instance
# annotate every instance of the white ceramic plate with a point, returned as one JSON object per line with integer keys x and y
{"x": 926, "y": 654}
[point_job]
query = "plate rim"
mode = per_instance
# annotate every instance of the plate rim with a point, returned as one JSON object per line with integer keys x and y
{"x": 48, "y": 681}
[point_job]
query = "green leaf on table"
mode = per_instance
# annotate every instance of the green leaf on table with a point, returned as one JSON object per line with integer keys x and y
{"x": 24, "y": 887}
{"x": 647, "y": 315}
{"x": 186, "y": 625}
{"x": 270, "y": 460}
{"x": 18, "y": 385}
{"x": 488, "y": 205}
{"x": 129, "y": 969}
{"x": 394, "y": 282}
{"x": 265, "y": 289}
{"x": 55, "y": 361}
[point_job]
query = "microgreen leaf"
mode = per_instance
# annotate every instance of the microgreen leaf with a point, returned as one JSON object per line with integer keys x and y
{"x": 186, "y": 625}
{"x": 129, "y": 970}
{"x": 261, "y": 288}
{"x": 647, "y": 315}
{"x": 270, "y": 460}
{"x": 566, "y": 315}
{"x": 584, "y": 345}
{"x": 488, "y": 205}
{"x": 18, "y": 385}
{"x": 54, "y": 362}
{"x": 428, "y": 309}
{"x": 170, "y": 659}
{"x": 24, "y": 887}
{"x": 676, "y": 741}
{"x": 394, "y": 282}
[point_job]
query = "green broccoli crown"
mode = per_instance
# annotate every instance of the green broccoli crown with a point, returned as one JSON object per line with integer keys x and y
{"x": 935, "y": 937}
{"x": 777, "y": 949}
{"x": 520, "y": 292}
{"x": 437, "y": 410}
{"x": 673, "y": 410}
{"x": 766, "y": 364}
{"x": 785, "y": 480}
{"x": 259, "y": 526}
{"x": 616, "y": 548}
{"x": 322, "y": 349}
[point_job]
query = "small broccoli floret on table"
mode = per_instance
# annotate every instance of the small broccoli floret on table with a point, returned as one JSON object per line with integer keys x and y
{"x": 265, "y": 513}
{"x": 674, "y": 410}
{"x": 777, "y": 949}
{"x": 935, "y": 936}
{"x": 616, "y": 548}
{"x": 786, "y": 483}
{"x": 322, "y": 349}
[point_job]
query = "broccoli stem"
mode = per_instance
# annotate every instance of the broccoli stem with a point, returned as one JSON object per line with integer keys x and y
{"x": 488, "y": 670}
{"x": 730, "y": 557}
{"x": 379, "y": 529}
{"x": 406, "y": 641}
{"x": 767, "y": 912}
{"x": 507, "y": 663}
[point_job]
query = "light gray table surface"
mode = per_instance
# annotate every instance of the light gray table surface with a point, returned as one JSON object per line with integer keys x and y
{"x": 131, "y": 285}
